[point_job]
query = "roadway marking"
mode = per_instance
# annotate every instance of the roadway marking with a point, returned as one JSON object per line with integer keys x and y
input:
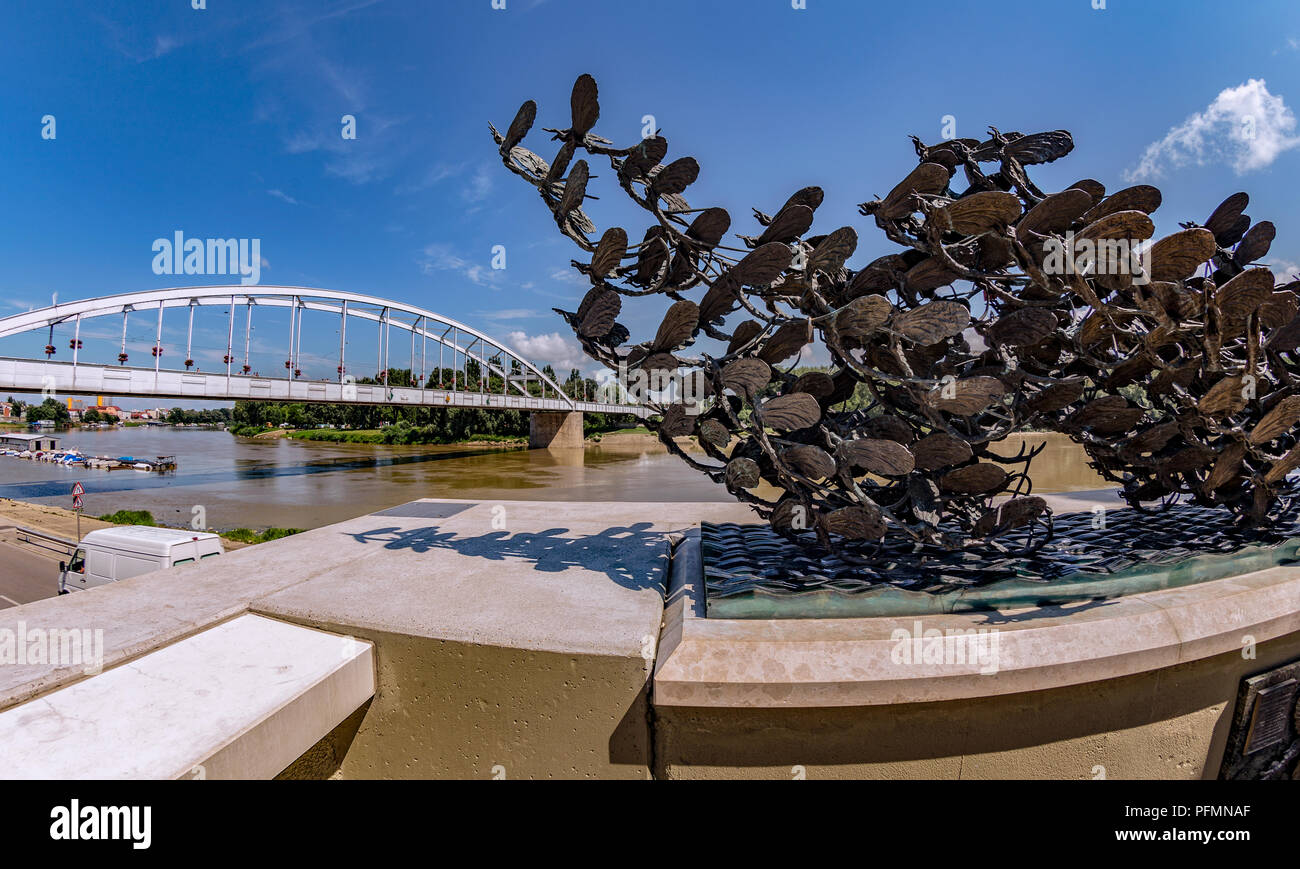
{"x": 11, "y": 600}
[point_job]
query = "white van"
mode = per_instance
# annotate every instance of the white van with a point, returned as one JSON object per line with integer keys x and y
{"x": 110, "y": 554}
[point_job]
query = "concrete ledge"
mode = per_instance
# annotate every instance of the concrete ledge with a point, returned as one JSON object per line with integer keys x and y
{"x": 241, "y": 700}
{"x": 1136, "y": 688}
{"x": 856, "y": 662}
{"x": 512, "y": 634}
{"x": 518, "y": 637}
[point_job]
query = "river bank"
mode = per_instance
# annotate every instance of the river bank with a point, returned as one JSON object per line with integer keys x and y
{"x": 278, "y": 482}
{"x": 373, "y": 436}
{"x": 397, "y": 436}
{"x": 261, "y": 483}
{"x": 61, "y": 522}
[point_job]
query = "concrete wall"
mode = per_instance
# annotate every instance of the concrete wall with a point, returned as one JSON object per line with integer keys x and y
{"x": 1165, "y": 724}
{"x": 468, "y": 711}
{"x": 516, "y": 639}
{"x": 555, "y": 430}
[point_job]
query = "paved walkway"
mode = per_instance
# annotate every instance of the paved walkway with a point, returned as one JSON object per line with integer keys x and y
{"x": 26, "y": 574}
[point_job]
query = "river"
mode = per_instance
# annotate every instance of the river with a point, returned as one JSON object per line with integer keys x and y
{"x": 261, "y": 483}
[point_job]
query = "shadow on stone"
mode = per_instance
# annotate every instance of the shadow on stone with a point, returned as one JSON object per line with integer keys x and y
{"x": 631, "y": 741}
{"x": 323, "y": 760}
{"x": 631, "y": 555}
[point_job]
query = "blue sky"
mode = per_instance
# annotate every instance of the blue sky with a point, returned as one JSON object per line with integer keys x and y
{"x": 225, "y": 122}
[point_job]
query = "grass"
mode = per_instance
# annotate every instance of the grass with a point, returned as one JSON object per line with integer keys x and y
{"x": 129, "y": 517}
{"x": 248, "y": 535}
{"x": 339, "y": 436}
{"x": 240, "y": 535}
{"x": 495, "y": 439}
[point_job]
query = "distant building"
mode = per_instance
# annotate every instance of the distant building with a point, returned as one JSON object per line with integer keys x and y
{"x": 33, "y": 442}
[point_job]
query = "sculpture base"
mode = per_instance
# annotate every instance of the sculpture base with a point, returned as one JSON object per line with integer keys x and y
{"x": 752, "y": 573}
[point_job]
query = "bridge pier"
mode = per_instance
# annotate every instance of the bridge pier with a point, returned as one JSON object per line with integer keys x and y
{"x": 555, "y": 430}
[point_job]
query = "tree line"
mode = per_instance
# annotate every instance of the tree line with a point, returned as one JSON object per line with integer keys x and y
{"x": 421, "y": 424}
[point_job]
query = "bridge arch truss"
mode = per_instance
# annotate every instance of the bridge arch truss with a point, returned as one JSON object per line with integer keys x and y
{"x": 432, "y": 339}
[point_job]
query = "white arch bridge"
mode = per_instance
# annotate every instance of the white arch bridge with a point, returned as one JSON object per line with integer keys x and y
{"x": 436, "y": 344}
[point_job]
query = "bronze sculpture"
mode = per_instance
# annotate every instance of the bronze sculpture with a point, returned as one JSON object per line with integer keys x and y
{"x": 1173, "y": 363}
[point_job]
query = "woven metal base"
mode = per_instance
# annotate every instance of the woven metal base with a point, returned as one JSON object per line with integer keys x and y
{"x": 747, "y": 559}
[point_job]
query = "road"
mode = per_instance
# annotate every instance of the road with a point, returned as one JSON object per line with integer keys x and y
{"x": 26, "y": 574}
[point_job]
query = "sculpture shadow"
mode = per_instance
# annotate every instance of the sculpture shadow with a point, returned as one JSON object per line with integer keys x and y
{"x": 1044, "y": 611}
{"x": 631, "y": 556}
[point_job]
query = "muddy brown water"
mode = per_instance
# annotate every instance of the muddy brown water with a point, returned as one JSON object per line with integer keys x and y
{"x": 238, "y": 482}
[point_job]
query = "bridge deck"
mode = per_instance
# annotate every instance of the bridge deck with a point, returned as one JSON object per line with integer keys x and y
{"x": 29, "y": 375}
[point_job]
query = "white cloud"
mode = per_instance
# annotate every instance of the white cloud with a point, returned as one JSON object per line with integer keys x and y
{"x": 1246, "y": 127}
{"x": 508, "y": 314}
{"x": 281, "y": 195}
{"x": 479, "y": 186}
{"x": 1283, "y": 270}
{"x": 570, "y": 276}
{"x": 357, "y": 168}
{"x": 165, "y": 45}
{"x": 136, "y": 44}
{"x": 562, "y": 353}
{"x": 435, "y": 175}
{"x": 441, "y": 258}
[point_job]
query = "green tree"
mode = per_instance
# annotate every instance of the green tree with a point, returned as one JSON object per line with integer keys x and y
{"x": 50, "y": 409}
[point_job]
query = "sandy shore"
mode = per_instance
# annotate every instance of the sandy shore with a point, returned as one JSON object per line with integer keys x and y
{"x": 51, "y": 520}
{"x": 61, "y": 522}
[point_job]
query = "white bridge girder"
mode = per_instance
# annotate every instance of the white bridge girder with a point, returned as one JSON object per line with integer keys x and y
{"x": 241, "y": 301}
{"x": 30, "y": 375}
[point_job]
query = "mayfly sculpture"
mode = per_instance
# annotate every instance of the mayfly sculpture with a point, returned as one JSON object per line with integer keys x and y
{"x": 1173, "y": 363}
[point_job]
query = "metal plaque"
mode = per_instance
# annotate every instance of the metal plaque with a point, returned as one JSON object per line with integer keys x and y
{"x": 1271, "y": 719}
{"x": 1264, "y": 742}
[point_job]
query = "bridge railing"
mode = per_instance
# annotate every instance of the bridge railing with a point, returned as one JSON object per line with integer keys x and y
{"x": 31, "y": 375}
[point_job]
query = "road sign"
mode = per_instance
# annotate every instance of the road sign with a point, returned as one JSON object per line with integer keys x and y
{"x": 78, "y": 491}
